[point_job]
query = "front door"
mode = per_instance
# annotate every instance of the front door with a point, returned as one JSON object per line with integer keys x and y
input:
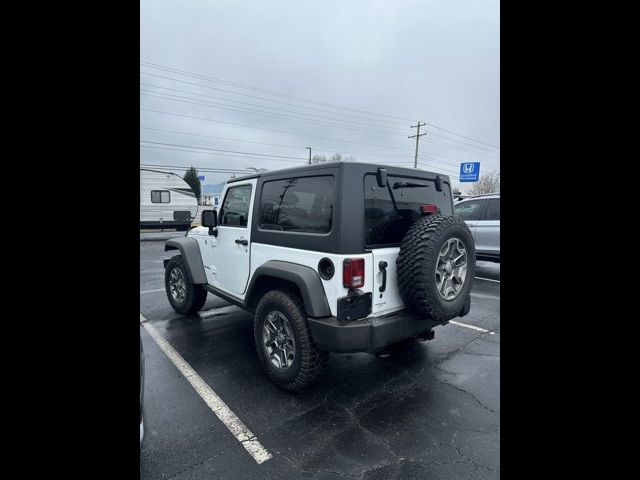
{"x": 231, "y": 248}
{"x": 472, "y": 211}
{"x": 488, "y": 229}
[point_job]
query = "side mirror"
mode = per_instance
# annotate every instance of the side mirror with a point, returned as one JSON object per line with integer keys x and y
{"x": 381, "y": 176}
{"x": 439, "y": 183}
{"x": 209, "y": 218}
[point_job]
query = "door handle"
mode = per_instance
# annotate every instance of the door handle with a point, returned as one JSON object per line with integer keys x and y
{"x": 241, "y": 241}
{"x": 383, "y": 269}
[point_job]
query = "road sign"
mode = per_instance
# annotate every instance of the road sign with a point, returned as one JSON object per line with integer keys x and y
{"x": 469, "y": 172}
{"x": 201, "y": 178}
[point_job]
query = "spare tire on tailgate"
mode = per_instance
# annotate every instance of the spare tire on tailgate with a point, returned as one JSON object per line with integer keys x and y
{"x": 436, "y": 266}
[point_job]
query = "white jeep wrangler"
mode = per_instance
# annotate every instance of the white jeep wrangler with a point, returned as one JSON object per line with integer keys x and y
{"x": 340, "y": 257}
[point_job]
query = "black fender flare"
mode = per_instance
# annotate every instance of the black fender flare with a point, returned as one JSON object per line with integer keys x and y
{"x": 190, "y": 252}
{"x": 305, "y": 278}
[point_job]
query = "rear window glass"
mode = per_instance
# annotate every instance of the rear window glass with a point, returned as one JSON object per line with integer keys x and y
{"x": 386, "y": 224}
{"x": 303, "y": 205}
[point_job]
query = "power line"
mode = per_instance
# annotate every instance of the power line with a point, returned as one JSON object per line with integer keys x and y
{"x": 467, "y": 144}
{"x": 261, "y": 112}
{"x": 208, "y": 87}
{"x": 246, "y": 87}
{"x": 218, "y": 150}
{"x": 272, "y": 107}
{"x": 272, "y": 144}
{"x": 180, "y": 170}
{"x": 180, "y": 148}
{"x": 438, "y": 167}
{"x": 439, "y": 170}
{"x": 203, "y": 169}
{"x": 176, "y": 149}
{"x": 438, "y": 157}
{"x": 268, "y": 129}
{"x": 300, "y": 99}
{"x": 342, "y": 126}
{"x": 464, "y": 136}
{"x": 462, "y": 149}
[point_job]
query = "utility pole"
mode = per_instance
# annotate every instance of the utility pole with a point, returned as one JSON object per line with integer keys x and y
{"x": 309, "y": 148}
{"x": 417, "y": 137}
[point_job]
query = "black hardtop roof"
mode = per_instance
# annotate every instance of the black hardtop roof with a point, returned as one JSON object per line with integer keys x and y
{"x": 393, "y": 170}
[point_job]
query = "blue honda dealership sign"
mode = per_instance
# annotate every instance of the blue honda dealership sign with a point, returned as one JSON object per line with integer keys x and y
{"x": 469, "y": 172}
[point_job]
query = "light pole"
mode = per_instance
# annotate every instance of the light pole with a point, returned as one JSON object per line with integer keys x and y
{"x": 257, "y": 170}
{"x": 309, "y": 148}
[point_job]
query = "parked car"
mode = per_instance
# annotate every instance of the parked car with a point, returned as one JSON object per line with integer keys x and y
{"x": 340, "y": 257}
{"x": 141, "y": 392}
{"x": 482, "y": 214}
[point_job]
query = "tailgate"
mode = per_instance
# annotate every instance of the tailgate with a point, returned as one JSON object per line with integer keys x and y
{"x": 388, "y": 300}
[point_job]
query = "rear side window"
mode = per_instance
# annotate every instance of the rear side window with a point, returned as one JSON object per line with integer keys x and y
{"x": 493, "y": 209}
{"x": 160, "y": 196}
{"x": 470, "y": 210}
{"x": 235, "y": 208}
{"x": 303, "y": 205}
{"x": 386, "y": 223}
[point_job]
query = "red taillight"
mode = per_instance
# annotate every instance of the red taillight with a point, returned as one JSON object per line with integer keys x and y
{"x": 353, "y": 273}
{"x": 429, "y": 208}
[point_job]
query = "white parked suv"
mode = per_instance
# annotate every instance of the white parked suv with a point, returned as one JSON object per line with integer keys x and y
{"x": 340, "y": 257}
{"x": 482, "y": 214}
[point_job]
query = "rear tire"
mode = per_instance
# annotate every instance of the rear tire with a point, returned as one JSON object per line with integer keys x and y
{"x": 185, "y": 297}
{"x": 283, "y": 313}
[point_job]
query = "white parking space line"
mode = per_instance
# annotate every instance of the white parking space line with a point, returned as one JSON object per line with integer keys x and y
{"x": 149, "y": 291}
{"x": 213, "y": 401}
{"x": 482, "y": 295}
{"x": 472, "y": 327}
{"x": 487, "y": 279}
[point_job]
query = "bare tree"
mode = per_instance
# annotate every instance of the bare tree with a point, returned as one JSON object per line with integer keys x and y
{"x": 336, "y": 157}
{"x": 319, "y": 159}
{"x": 488, "y": 183}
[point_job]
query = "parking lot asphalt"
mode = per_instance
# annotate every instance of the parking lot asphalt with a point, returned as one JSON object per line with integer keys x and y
{"x": 431, "y": 411}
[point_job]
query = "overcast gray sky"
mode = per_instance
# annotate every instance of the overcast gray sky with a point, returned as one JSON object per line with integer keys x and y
{"x": 428, "y": 60}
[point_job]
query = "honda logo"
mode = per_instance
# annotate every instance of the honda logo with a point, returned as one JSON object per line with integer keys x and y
{"x": 468, "y": 167}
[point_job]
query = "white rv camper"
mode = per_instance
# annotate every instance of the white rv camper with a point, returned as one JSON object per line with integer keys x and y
{"x": 166, "y": 201}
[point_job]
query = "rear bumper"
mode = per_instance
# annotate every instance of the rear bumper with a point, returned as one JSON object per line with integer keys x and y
{"x": 367, "y": 334}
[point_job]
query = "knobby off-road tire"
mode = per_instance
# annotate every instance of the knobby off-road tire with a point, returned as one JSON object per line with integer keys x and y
{"x": 416, "y": 266}
{"x": 191, "y": 297}
{"x": 308, "y": 363}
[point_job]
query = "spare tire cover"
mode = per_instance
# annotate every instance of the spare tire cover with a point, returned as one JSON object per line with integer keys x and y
{"x": 436, "y": 266}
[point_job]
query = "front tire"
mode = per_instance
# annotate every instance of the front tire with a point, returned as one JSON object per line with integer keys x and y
{"x": 284, "y": 344}
{"x": 185, "y": 297}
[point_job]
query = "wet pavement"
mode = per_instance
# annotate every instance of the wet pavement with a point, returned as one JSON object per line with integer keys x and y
{"x": 429, "y": 411}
